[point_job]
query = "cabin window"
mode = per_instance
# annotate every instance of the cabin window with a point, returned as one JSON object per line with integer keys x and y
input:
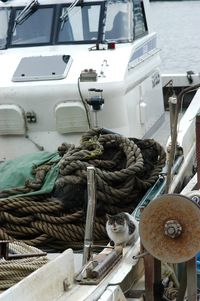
{"x": 36, "y": 29}
{"x": 119, "y": 21}
{"x": 140, "y": 27}
{"x": 4, "y": 20}
{"x": 81, "y": 23}
{"x": 125, "y": 21}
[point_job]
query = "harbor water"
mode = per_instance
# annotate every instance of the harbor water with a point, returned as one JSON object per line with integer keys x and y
{"x": 178, "y": 26}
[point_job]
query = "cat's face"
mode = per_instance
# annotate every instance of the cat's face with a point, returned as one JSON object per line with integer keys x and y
{"x": 116, "y": 222}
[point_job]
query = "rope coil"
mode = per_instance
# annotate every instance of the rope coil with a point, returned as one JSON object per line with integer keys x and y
{"x": 12, "y": 271}
{"x": 125, "y": 169}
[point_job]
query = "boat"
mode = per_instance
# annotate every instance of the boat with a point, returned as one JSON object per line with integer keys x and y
{"x": 73, "y": 68}
{"x": 48, "y": 62}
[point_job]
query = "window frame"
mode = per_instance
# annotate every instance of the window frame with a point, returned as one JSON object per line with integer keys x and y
{"x": 12, "y": 22}
{"x": 144, "y": 19}
{"x": 100, "y": 28}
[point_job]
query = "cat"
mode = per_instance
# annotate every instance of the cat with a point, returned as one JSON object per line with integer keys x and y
{"x": 122, "y": 229}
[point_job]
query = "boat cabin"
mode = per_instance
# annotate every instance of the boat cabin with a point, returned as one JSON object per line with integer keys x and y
{"x": 67, "y": 66}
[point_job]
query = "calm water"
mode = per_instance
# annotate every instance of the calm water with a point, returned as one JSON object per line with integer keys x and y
{"x": 178, "y": 26}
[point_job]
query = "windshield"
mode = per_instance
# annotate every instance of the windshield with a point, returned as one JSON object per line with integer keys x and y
{"x": 36, "y": 29}
{"x": 85, "y": 23}
{"x": 81, "y": 24}
{"x": 45, "y": 26}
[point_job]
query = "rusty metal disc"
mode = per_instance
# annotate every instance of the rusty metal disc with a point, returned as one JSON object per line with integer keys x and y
{"x": 158, "y": 215}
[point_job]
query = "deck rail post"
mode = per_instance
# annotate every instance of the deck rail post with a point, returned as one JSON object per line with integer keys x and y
{"x": 91, "y": 206}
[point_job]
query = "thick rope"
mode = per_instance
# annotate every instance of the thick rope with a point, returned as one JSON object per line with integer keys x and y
{"x": 125, "y": 169}
{"x": 12, "y": 271}
{"x": 170, "y": 292}
{"x": 113, "y": 183}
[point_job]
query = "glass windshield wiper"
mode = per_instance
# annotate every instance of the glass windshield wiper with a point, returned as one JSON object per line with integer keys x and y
{"x": 26, "y": 12}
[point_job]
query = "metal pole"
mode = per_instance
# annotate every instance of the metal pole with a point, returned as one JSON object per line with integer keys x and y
{"x": 91, "y": 188}
{"x": 172, "y": 108}
{"x": 198, "y": 149}
{"x": 95, "y": 119}
{"x": 174, "y": 136}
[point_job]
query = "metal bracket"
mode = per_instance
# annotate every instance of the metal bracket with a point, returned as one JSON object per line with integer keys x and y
{"x": 4, "y": 252}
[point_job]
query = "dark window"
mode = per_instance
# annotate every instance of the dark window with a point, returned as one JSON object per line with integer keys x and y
{"x": 34, "y": 30}
{"x": 139, "y": 19}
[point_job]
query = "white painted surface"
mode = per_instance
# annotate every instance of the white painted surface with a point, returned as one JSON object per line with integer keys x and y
{"x": 46, "y": 283}
{"x": 186, "y": 129}
{"x": 112, "y": 293}
{"x": 180, "y": 80}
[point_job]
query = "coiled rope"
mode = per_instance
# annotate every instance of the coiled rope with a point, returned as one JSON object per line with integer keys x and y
{"x": 12, "y": 271}
{"x": 125, "y": 169}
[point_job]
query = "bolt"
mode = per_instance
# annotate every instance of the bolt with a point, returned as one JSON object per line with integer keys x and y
{"x": 172, "y": 228}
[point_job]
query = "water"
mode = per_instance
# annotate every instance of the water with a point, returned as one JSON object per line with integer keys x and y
{"x": 178, "y": 26}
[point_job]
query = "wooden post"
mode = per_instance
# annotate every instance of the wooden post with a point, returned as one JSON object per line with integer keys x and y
{"x": 191, "y": 279}
{"x": 149, "y": 277}
{"x": 152, "y": 268}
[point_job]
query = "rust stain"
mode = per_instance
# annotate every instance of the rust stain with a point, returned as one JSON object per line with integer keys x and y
{"x": 153, "y": 219}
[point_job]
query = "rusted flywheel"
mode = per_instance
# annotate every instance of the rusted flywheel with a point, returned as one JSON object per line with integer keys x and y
{"x": 170, "y": 228}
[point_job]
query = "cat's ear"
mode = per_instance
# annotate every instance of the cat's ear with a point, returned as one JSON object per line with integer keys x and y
{"x": 108, "y": 216}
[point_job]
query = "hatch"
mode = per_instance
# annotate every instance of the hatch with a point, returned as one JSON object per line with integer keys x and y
{"x": 42, "y": 68}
